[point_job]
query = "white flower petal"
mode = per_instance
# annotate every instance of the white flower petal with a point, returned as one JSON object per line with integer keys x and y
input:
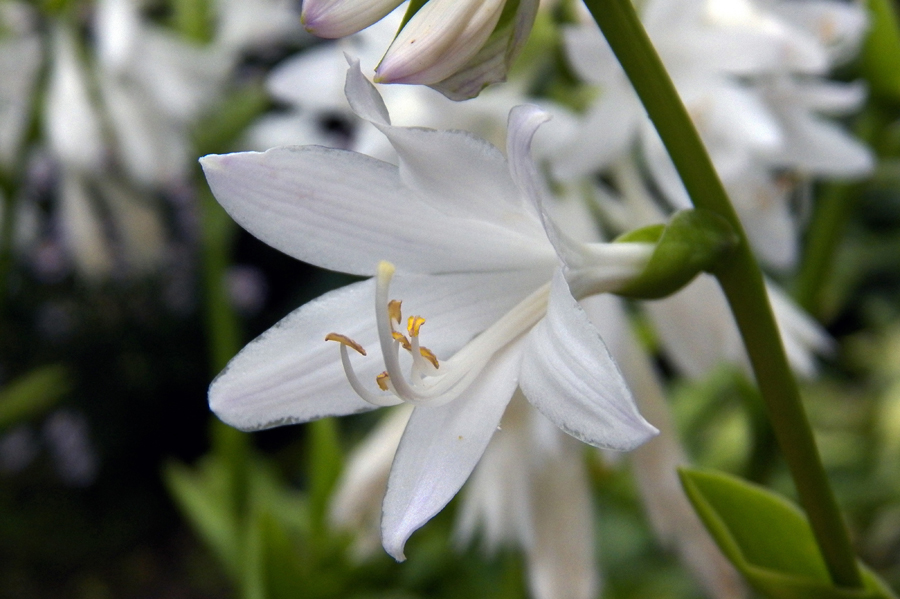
{"x": 696, "y": 329}
{"x": 608, "y": 130}
{"x": 441, "y": 447}
{"x": 291, "y": 374}
{"x": 591, "y": 57}
{"x": 312, "y": 79}
{"x": 561, "y": 559}
{"x": 820, "y": 147}
{"x": 73, "y": 127}
{"x": 117, "y": 29}
{"x": 461, "y": 175}
{"x": 364, "y": 99}
{"x": 355, "y": 505}
{"x": 803, "y": 337}
{"x": 347, "y": 212}
{"x": 81, "y": 228}
{"x": 496, "y": 501}
{"x": 569, "y": 375}
{"x": 152, "y": 148}
{"x": 655, "y": 463}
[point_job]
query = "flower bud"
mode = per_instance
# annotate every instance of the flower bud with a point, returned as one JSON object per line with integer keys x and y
{"x": 339, "y": 18}
{"x": 440, "y": 38}
{"x": 458, "y": 47}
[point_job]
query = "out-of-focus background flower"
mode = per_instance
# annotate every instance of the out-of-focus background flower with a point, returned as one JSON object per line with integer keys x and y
{"x": 125, "y": 288}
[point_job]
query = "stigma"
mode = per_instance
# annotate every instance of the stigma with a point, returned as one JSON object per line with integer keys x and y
{"x": 426, "y": 380}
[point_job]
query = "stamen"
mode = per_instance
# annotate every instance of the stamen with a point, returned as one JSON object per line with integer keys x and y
{"x": 401, "y": 339}
{"x": 429, "y": 355}
{"x": 394, "y": 310}
{"x": 414, "y": 324}
{"x": 382, "y": 381}
{"x": 386, "y": 332}
{"x": 356, "y": 384}
{"x": 344, "y": 340}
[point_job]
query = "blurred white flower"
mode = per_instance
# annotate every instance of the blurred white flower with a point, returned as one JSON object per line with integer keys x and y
{"x": 750, "y": 76}
{"x": 20, "y": 61}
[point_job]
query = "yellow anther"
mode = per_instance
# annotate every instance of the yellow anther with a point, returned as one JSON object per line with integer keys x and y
{"x": 400, "y": 338}
{"x": 429, "y": 355}
{"x": 344, "y": 340}
{"x": 382, "y": 381}
{"x": 394, "y": 311}
{"x": 414, "y": 324}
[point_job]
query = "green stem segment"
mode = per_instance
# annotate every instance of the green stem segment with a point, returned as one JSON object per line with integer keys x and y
{"x": 740, "y": 278}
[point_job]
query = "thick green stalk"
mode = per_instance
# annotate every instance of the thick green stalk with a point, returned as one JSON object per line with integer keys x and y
{"x": 740, "y": 278}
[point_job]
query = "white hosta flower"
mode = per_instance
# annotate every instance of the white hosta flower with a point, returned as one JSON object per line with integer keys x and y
{"x": 154, "y": 85}
{"x": 747, "y": 76}
{"x": 473, "y": 257}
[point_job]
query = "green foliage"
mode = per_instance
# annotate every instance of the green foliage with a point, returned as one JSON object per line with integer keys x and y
{"x": 33, "y": 394}
{"x": 768, "y": 539}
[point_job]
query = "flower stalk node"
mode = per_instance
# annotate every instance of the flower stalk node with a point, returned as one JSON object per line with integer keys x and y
{"x": 693, "y": 241}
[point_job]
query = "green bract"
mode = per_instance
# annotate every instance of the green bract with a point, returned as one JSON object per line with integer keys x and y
{"x": 692, "y": 242}
{"x": 768, "y": 539}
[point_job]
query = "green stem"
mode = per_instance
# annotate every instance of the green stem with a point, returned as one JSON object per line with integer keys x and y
{"x": 741, "y": 280}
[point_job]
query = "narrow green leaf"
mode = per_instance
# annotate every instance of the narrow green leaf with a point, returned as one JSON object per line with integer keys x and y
{"x": 33, "y": 394}
{"x": 202, "y": 497}
{"x": 768, "y": 539}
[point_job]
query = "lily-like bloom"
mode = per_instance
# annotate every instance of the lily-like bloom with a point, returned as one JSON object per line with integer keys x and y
{"x": 475, "y": 256}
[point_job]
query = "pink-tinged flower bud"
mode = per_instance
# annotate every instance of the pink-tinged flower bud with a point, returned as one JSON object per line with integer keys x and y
{"x": 339, "y": 18}
{"x": 439, "y": 40}
{"x": 459, "y": 47}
